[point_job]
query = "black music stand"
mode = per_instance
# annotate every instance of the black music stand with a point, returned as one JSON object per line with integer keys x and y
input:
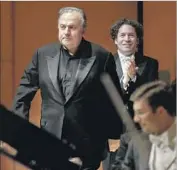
{"x": 37, "y": 149}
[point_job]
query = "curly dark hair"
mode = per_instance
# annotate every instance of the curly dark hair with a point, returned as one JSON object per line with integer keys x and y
{"x": 138, "y": 28}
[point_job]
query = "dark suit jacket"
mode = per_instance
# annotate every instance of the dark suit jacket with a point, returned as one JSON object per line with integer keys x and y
{"x": 87, "y": 115}
{"x": 120, "y": 153}
{"x": 148, "y": 71}
{"x": 135, "y": 158}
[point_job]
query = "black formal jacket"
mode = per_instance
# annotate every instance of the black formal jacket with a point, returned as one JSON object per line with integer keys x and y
{"x": 87, "y": 114}
{"x": 147, "y": 72}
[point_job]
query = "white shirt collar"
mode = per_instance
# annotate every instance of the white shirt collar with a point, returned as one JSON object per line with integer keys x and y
{"x": 122, "y": 56}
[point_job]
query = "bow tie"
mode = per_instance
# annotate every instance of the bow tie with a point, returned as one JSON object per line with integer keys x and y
{"x": 161, "y": 141}
{"x": 125, "y": 59}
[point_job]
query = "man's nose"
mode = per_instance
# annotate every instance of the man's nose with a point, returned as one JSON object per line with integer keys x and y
{"x": 66, "y": 30}
{"x": 126, "y": 38}
{"x": 136, "y": 118}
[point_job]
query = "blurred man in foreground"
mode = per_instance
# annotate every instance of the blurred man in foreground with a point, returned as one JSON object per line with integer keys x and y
{"x": 155, "y": 109}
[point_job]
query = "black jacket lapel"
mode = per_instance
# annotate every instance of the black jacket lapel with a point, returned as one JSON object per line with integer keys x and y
{"x": 140, "y": 63}
{"x": 53, "y": 63}
{"x": 84, "y": 67}
{"x": 87, "y": 59}
{"x": 118, "y": 66}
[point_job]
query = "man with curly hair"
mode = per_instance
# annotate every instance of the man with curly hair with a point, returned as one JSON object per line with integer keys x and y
{"x": 133, "y": 68}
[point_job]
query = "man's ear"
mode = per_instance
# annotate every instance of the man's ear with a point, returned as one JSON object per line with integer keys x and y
{"x": 83, "y": 31}
{"x": 115, "y": 41}
{"x": 161, "y": 110}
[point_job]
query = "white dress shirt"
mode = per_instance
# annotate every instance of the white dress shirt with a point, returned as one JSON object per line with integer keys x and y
{"x": 163, "y": 155}
{"x": 123, "y": 60}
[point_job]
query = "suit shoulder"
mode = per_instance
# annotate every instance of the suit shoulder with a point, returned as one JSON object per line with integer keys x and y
{"x": 47, "y": 49}
{"x": 98, "y": 48}
{"x": 150, "y": 59}
{"x": 125, "y": 137}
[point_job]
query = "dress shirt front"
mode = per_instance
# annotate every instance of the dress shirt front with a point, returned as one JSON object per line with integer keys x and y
{"x": 123, "y": 60}
{"x": 163, "y": 155}
{"x": 67, "y": 70}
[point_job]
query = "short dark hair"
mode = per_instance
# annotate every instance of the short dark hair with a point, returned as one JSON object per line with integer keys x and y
{"x": 156, "y": 93}
{"x": 138, "y": 28}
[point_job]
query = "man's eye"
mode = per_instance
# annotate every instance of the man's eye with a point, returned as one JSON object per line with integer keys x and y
{"x": 140, "y": 113}
{"x": 72, "y": 27}
{"x": 131, "y": 35}
{"x": 62, "y": 26}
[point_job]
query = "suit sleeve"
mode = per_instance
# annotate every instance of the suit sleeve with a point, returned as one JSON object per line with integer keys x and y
{"x": 128, "y": 162}
{"x": 153, "y": 71}
{"x": 27, "y": 89}
{"x": 114, "y": 123}
{"x": 120, "y": 152}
